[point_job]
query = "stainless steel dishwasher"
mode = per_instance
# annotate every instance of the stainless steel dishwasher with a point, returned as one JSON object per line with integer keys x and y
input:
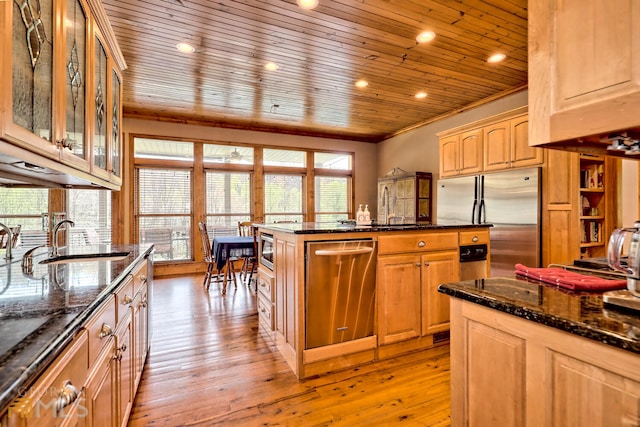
{"x": 339, "y": 291}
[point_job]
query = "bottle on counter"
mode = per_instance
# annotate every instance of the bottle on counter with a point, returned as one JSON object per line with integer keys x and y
{"x": 360, "y": 214}
{"x": 367, "y": 214}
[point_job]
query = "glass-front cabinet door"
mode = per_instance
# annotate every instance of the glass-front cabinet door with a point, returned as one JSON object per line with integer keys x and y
{"x": 74, "y": 125}
{"x": 100, "y": 108}
{"x": 115, "y": 146}
{"x": 27, "y": 36}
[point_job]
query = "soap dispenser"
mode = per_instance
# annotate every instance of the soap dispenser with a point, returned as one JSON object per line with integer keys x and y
{"x": 367, "y": 214}
{"x": 360, "y": 214}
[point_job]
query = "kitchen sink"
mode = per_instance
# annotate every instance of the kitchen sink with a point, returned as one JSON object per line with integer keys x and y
{"x": 105, "y": 256}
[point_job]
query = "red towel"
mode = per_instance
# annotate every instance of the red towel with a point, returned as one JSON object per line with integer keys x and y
{"x": 570, "y": 279}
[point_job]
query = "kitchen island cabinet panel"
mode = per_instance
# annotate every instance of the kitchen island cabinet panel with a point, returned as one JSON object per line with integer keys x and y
{"x": 507, "y": 370}
{"x": 409, "y": 314}
{"x": 398, "y": 298}
{"x": 437, "y": 268}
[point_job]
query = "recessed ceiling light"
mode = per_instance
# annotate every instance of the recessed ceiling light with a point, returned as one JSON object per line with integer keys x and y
{"x": 362, "y": 83}
{"x": 185, "y": 48}
{"x": 271, "y": 66}
{"x": 421, "y": 95}
{"x": 425, "y": 36}
{"x": 307, "y": 4}
{"x": 496, "y": 57}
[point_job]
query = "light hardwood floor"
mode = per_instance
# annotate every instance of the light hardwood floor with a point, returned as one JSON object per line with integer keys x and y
{"x": 210, "y": 365}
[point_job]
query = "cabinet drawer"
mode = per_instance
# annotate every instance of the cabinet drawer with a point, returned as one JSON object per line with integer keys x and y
{"x": 140, "y": 276}
{"x": 101, "y": 327}
{"x": 265, "y": 286}
{"x": 417, "y": 242}
{"x": 265, "y": 313}
{"x": 57, "y": 394}
{"x": 474, "y": 237}
{"x": 124, "y": 298}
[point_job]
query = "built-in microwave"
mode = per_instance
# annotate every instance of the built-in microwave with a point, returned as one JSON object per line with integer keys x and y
{"x": 266, "y": 250}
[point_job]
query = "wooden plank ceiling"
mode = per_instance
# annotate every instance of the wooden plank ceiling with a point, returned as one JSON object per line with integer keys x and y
{"x": 321, "y": 53}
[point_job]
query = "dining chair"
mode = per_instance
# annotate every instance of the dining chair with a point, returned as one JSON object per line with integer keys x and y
{"x": 15, "y": 235}
{"x": 212, "y": 273}
{"x": 249, "y": 263}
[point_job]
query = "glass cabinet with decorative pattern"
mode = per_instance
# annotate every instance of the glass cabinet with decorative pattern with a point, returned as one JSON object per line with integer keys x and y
{"x": 61, "y": 81}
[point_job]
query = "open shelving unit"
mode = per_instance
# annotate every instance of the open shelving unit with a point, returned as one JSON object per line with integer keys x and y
{"x": 593, "y": 206}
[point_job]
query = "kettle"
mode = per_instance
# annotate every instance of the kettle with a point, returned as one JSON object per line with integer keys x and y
{"x": 614, "y": 256}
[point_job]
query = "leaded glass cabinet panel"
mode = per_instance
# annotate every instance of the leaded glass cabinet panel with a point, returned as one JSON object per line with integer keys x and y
{"x": 32, "y": 66}
{"x": 115, "y": 124}
{"x": 100, "y": 107}
{"x": 75, "y": 67}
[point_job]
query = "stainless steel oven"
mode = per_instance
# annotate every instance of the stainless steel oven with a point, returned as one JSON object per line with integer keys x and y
{"x": 266, "y": 250}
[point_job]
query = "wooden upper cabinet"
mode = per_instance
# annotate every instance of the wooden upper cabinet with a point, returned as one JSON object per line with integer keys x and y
{"x": 584, "y": 72}
{"x": 506, "y": 145}
{"x": 471, "y": 151}
{"x": 57, "y": 96}
{"x": 461, "y": 153}
{"x": 450, "y": 156}
{"x": 497, "y": 142}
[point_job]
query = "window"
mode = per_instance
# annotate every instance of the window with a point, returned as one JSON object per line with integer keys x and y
{"x": 283, "y": 198}
{"x": 214, "y": 153}
{"x": 228, "y": 200}
{"x": 333, "y": 193}
{"x": 332, "y": 196}
{"x": 163, "y": 211}
{"x": 90, "y": 210}
{"x": 145, "y": 148}
{"x": 27, "y": 207}
{"x": 288, "y": 158}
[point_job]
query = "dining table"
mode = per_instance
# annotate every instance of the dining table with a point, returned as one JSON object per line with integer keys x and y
{"x": 227, "y": 248}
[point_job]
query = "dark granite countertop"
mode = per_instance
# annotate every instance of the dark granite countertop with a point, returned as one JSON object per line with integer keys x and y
{"x": 331, "y": 227}
{"x": 42, "y": 308}
{"x": 579, "y": 313}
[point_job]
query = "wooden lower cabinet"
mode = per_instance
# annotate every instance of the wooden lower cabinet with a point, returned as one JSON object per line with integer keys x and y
{"x": 101, "y": 388}
{"x": 508, "y": 371}
{"x": 102, "y": 365}
{"x": 57, "y": 398}
{"x": 409, "y": 304}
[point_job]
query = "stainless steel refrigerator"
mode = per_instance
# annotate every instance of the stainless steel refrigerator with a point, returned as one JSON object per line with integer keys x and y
{"x": 510, "y": 201}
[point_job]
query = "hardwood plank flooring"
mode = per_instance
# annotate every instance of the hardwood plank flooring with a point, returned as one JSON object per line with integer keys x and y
{"x": 210, "y": 365}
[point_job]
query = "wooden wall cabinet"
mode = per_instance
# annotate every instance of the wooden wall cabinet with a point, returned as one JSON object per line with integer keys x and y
{"x": 506, "y": 145}
{"x": 410, "y": 198}
{"x": 461, "y": 154}
{"x": 496, "y": 143}
{"x": 510, "y": 371}
{"x": 59, "y": 100}
{"x": 584, "y": 75}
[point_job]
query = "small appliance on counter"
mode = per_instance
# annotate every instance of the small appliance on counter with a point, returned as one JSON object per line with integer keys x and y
{"x": 629, "y": 298}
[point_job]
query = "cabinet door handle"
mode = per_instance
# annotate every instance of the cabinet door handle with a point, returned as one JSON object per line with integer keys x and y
{"x": 475, "y": 239}
{"x": 67, "y": 395}
{"x": 143, "y": 278}
{"x": 105, "y": 331}
{"x": 426, "y": 264}
{"x": 127, "y": 300}
{"x": 417, "y": 264}
{"x": 421, "y": 244}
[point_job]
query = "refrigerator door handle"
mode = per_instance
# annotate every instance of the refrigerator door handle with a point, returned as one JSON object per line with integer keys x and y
{"x": 481, "y": 208}
{"x": 475, "y": 200}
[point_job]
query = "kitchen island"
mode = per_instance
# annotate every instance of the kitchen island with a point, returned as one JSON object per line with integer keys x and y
{"x": 60, "y": 323}
{"x": 524, "y": 353}
{"x": 394, "y": 270}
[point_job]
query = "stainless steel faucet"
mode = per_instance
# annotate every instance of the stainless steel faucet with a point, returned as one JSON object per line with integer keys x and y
{"x": 9, "y": 240}
{"x": 56, "y": 229}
